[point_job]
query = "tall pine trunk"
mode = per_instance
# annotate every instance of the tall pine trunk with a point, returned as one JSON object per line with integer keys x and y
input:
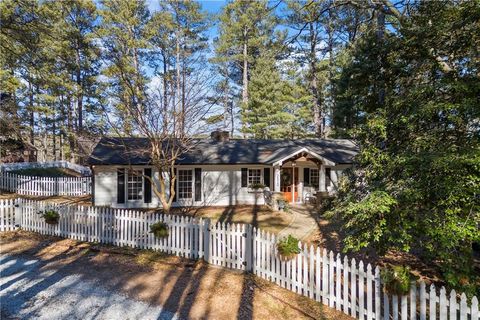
{"x": 79, "y": 91}
{"x": 316, "y": 99}
{"x": 380, "y": 34}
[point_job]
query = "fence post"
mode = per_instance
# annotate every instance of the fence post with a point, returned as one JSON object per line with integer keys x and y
{"x": 248, "y": 248}
{"x": 18, "y": 213}
{"x": 206, "y": 240}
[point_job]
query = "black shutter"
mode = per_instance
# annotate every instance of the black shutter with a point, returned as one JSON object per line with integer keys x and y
{"x": 328, "y": 177}
{"x": 244, "y": 177}
{"x": 306, "y": 176}
{"x": 198, "y": 184}
{"x": 121, "y": 186}
{"x": 176, "y": 184}
{"x": 266, "y": 177}
{"x": 147, "y": 186}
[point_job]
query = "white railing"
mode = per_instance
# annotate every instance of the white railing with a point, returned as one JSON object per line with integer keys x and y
{"x": 84, "y": 171}
{"x": 45, "y": 186}
{"x": 338, "y": 282}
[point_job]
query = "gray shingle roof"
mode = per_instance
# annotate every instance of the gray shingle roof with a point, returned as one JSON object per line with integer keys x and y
{"x": 119, "y": 151}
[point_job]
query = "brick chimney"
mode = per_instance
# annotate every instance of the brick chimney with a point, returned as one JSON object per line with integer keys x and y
{"x": 220, "y": 136}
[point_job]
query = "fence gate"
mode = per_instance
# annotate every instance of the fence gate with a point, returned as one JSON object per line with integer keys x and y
{"x": 230, "y": 246}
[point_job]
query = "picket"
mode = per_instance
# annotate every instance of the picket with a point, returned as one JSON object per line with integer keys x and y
{"x": 314, "y": 273}
{"x": 45, "y": 186}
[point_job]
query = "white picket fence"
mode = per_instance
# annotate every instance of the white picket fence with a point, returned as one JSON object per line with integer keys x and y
{"x": 45, "y": 186}
{"x": 84, "y": 171}
{"x": 338, "y": 282}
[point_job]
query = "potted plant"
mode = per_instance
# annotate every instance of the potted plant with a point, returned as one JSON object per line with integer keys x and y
{"x": 159, "y": 229}
{"x": 396, "y": 280}
{"x": 288, "y": 247}
{"x": 257, "y": 186}
{"x": 51, "y": 216}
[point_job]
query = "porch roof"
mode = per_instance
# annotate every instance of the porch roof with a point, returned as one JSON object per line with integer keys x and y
{"x": 122, "y": 151}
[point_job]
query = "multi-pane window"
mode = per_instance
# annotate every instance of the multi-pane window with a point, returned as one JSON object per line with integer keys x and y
{"x": 314, "y": 178}
{"x": 134, "y": 185}
{"x": 185, "y": 180}
{"x": 254, "y": 176}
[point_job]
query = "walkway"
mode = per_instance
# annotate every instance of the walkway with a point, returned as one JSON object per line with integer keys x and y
{"x": 302, "y": 225}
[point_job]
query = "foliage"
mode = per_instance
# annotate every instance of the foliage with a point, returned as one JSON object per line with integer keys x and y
{"x": 257, "y": 186}
{"x": 288, "y": 247}
{"x": 396, "y": 280}
{"x": 417, "y": 179}
{"x": 51, "y": 216}
{"x": 159, "y": 229}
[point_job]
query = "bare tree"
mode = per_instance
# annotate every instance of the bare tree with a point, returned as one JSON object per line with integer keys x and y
{"x": 160, "y": 123}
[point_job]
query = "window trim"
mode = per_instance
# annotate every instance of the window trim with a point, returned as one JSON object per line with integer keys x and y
{"x": 260, "y": 176}
{"x": 178, "y": 192}
{"x": 140, "y": 183}
{"x": 314, "y": 183}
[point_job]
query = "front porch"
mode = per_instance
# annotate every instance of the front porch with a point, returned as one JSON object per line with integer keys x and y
{"x": 303, "y": 177}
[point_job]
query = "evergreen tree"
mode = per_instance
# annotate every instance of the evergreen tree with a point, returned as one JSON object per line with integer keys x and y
{"x": 246, "y": 29}
{"x": 125, "y": 42}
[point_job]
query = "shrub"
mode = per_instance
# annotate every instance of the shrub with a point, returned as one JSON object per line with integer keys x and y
{"x": 396, "y": 280}
{"x": 257, "y": 186}
{"x": 159, "y": 229}
{"x": 288, "y": 247}
{"x": 51, "y": 216}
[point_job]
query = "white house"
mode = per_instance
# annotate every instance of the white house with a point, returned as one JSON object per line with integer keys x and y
{"x": 220, "y": 171}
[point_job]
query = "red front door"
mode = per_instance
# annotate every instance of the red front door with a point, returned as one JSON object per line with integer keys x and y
{"x": 289, "y": 183}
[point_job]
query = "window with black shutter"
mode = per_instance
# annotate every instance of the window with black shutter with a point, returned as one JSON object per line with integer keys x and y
{"x": 198, "y": 184}
{"x": 266, "y": 177}
{"x": 121, "y": 186}
{"x": 147, "y": 185}
{"x": 244, "y": 177}
{"x": 175, "y": 188}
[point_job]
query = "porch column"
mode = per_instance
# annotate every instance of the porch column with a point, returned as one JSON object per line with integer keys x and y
{"x": 276, "y": 180}
{"x": 321, "y": 177}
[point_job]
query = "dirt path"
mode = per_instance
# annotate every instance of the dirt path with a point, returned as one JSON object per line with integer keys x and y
{"x": 149, "y": 283}
{"x": 302, "y": 225}
{"x": 29, "y": 290}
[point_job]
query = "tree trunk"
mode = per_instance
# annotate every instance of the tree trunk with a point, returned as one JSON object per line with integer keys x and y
{"x": 32, "y": 115}
{"x": 331, "y": 66}
{"x": 316, "y": 99}
{"x": 245, "y": 69}
{"x": 178, "y": 73}
{"x": 165, "y": 92}
{"x": 79, "y": 92}
{"x": 71, "y": 138}
{"x": 380, "y": 34}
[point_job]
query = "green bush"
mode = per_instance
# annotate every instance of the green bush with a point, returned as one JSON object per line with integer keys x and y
{"x": 396, "y": 280}
{"x": 51, "y": 216}
{"x": 159, "y": 229}
{"x": 257, "y": 186}
{"x": 288, "y": 247}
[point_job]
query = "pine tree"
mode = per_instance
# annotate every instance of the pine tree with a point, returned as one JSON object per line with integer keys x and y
{"x": 125, "y": 42}
{"x": 246, "y": 28}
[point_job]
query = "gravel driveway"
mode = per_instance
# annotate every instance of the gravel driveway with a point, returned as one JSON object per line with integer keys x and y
{"x": 29, "y": 292}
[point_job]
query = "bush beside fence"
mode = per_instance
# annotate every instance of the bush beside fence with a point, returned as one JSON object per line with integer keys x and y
{"x": 338, "y": 282}
{"x": 45, "y": 186}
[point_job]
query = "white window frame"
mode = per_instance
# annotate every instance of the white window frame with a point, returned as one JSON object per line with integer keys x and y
{"x": 252, "y": 178}
{"x": 185, "y": 184}
{"x": 134, "y": 184}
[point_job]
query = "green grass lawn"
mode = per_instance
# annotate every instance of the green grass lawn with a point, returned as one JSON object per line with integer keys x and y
{"x": 47, "y": 172}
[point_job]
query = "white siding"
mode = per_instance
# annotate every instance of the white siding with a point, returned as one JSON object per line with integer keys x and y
{"x": 221, "y": 186}
{"x": 105, "y": 185}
